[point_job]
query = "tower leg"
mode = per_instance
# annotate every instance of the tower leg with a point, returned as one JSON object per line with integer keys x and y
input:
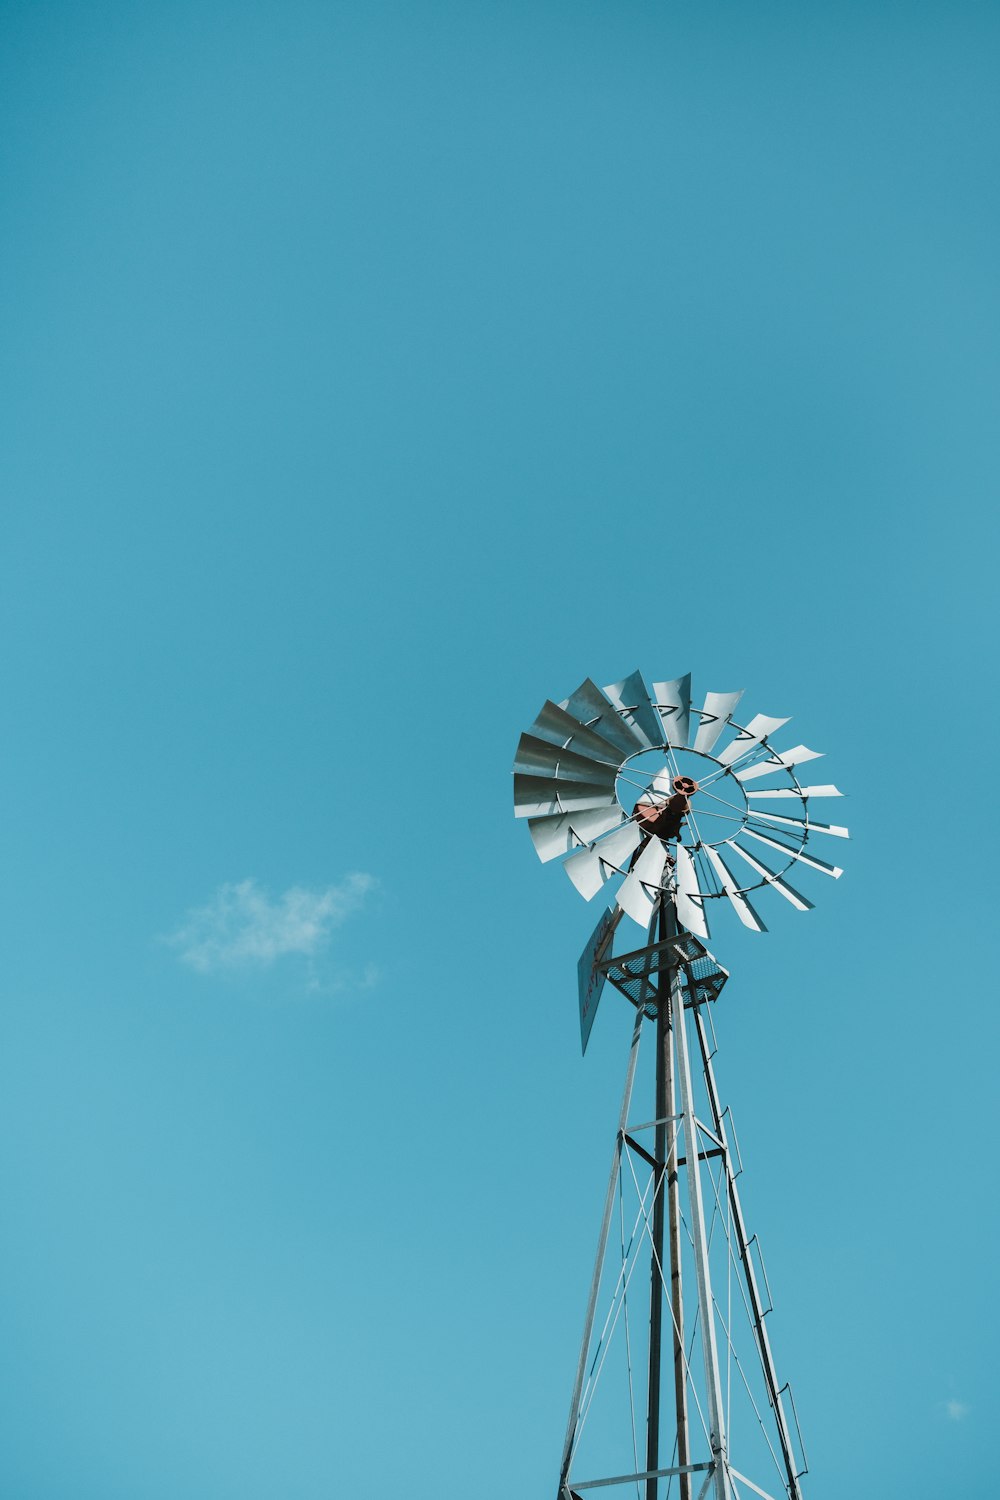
{"x": 602, "y": 1245}
{"x": 753, "y": 1291}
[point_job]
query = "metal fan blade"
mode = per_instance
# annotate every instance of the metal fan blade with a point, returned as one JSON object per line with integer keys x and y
{"x": 563, "y": 832}
{"x": 797, "y": 791}
{"x": 540, "y": 758}
{"x": 758, "y": 729}
{"x": 585, "y": 871}
{"x": 803, "y": 827}
{"x": 560, "y": 728}
{"x": 788, "y": 891}
{"x": 799, "y": 854}
{"x": 742, "y": 907}
{"x": 688, "y": 896}
{"x": 778, "y": 762}
{"x": 718, "y": 707}
{"x": 591, "y": 868}
{"x": 589, "y": 705}
{"x": 633, "y": 897}
{"x": 673, "y": 704}
{"x": 541, "y": 796}
{"x": 631, "y": 698}
{"x": 617, "y": 849}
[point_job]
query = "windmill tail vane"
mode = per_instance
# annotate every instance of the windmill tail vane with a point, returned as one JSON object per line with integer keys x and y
{"x": 667, "y": 811}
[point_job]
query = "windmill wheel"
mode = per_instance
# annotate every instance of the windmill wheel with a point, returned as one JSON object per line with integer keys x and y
{"x": 630, "y": 787}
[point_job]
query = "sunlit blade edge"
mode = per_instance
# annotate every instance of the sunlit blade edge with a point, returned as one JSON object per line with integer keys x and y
{"x": 807, "y": 859}
{"x": 713, "y": 718}
{"x": 779, "y": 762}
{"x": 689, "y": 897}
{"x": 797, "y": 791}
{"x": 743, "y": 908}
{"x": 759, "y": 728}
{"x": 555, "y": 834}
{"x": 672, "y": 701}
{"x": 618, "y": 847}
{"x": 585, "y": 870}
{"x": 773, "y": 879}
{"x": 831, "y": 828}
{"x": 633, "y": 896}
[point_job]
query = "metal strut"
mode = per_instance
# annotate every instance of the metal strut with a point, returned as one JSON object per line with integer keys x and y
{"x": 602, "y": 1243}
{"x": 739, "y": 1225}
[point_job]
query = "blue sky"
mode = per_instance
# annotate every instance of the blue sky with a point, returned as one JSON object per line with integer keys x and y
{"x": 370, "y": 374}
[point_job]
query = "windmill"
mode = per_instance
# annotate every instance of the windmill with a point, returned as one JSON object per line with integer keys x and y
{"x": 668, "y": 812}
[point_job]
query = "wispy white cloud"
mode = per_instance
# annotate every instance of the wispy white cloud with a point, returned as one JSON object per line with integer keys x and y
{"x": 243, "y": 926}
{"x": 957, "y": 1411}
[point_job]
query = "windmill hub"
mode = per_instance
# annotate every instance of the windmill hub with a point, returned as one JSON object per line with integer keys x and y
{"x": 676, "y": 793}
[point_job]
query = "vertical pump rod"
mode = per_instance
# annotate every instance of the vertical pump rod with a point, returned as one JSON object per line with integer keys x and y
{"x": 666, "y": 1205}
{"x": 669, "y": 917}
{"x": 656, "y": 1273}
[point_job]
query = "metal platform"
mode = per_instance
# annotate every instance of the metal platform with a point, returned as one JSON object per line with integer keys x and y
{"x": 636, "y": 974}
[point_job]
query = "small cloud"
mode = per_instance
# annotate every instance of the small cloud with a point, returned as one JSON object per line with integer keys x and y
{"x": 957, "y": 1411}
{"x": 242, "y": 926}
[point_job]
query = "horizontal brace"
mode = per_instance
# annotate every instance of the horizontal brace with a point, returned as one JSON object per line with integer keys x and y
{"x": 702, "y": 1155}
{"x": 680, "y": 1161}
{"x": 648, "y": 1124}
{"x": 595, "y": 1484}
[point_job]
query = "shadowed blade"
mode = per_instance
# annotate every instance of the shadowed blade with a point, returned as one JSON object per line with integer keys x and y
{"x": 631, "y": 698}
{"x": 541, "y": 796}
{"x": 593, "y": 709}
{"x": 540, "y": 758}
{"x": 560, "y": 728}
